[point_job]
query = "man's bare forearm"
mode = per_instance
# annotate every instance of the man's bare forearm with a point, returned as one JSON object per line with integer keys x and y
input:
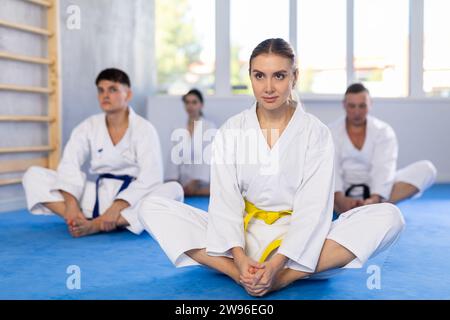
{"x": 376, "y": 198}
{"x": 119, "y": 205}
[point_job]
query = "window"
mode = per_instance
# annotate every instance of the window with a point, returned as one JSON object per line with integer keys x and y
{"x": 185, "y": 45}
{"x": 436, "y": 64}
{"x": 378, "y": 43}
{"x": 381, "y": 57}
{"x": 252, "y": 22}
{"x": 322, "y": 46}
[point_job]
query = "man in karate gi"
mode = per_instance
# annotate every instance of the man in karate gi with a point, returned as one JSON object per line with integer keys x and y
{"x": 125, "y": 159}
{"x": 366, "y": 158}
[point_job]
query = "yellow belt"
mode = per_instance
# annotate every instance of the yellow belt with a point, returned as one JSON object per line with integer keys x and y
{"x": 268, "y": 217}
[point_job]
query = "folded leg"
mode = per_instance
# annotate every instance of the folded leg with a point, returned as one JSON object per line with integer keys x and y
{"x": 413, "y": 180}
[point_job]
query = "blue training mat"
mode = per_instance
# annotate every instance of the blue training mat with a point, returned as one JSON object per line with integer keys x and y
{"x": 35, "y": 252}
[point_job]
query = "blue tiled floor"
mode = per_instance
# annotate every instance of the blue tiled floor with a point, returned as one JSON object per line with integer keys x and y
{"x": 35, "y": 252}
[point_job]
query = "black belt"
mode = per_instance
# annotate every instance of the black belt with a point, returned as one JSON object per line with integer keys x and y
{"x": 366, "y": 190}
{"x": 126, "y": 182}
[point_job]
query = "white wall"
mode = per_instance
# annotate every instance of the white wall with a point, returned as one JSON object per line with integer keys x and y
{"x": 422, "y": 126}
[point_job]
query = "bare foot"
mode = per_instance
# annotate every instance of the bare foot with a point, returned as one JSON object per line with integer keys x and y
{"x": 286, "y": 277}
{"x": 71, "y": 221}
{"x": 235, "y": 275}
{"x": 277, "y": 284}
{"x": 81, "y": 227}
{"x": 71, "y": 225}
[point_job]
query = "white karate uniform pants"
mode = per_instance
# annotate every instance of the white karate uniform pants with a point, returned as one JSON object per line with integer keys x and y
{"x": 38, "y": 183}
{"x": 177, "y": 227}
{"x": 420, "y": 174}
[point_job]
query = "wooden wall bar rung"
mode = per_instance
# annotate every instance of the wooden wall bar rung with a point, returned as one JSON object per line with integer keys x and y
{"x": 26, "y": 149}
{"x": 49, "y": 33}
{"x": 26, "y": 119}
{"x": 25, "y": 28}
{"x": 40, "y": 2}
{"x": 11, "y": 166}
{"x": 12, "y": 87}
{"x": 9, "y": 182}
{"x": 22, "y": 58}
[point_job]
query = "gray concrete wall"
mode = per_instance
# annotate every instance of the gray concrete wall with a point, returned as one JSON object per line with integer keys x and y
{"x": 112, "y": 33}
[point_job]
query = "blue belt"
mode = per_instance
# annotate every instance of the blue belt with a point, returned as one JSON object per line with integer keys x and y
{"x": 126, "y": 182}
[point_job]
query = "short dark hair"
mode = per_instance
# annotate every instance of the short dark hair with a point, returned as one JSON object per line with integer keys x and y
{"x": 356, "y": 88}
{"x": 196, "y": 93}
{"x": 114, "y": 75}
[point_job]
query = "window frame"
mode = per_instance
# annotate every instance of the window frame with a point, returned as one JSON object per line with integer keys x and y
{"x": 416, "y": 51}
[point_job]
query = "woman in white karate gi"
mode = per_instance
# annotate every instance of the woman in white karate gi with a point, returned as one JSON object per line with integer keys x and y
{"x": 366, "y": 158}
{"x": 125, "y": 157}
{"x": 269, "y": 221}
{"x": 189, "y": 160}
